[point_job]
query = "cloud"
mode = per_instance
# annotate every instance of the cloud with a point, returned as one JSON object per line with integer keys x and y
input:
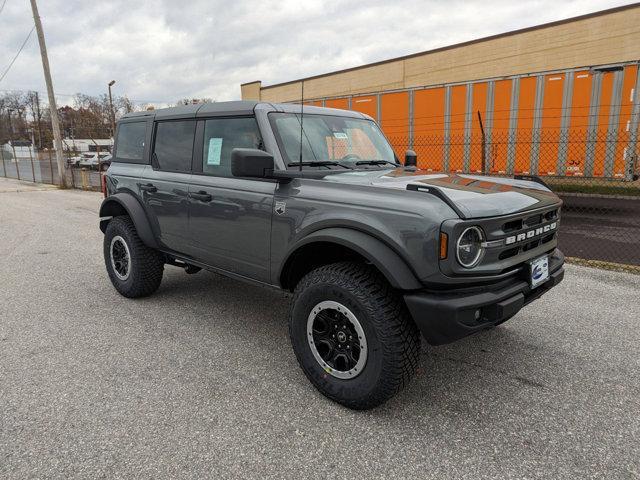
{"x": 161, "y": 51}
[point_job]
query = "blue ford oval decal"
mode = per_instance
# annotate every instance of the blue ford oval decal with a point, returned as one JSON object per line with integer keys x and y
{"x": 537, "y": 273}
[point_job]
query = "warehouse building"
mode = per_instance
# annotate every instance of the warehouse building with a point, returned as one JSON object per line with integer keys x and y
{"x": 561, "y": 98}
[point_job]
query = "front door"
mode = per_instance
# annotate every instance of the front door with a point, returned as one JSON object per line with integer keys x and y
{"x": 229, "y": 218}
{"x": 164, "y": 186}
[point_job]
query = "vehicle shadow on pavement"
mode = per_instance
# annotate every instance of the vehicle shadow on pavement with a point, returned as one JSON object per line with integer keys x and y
{"x": 486, "y": 369}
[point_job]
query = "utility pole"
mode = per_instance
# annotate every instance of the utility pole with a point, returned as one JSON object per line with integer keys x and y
{"x": 55, "y": 125}
{"x": 112, "y": 113}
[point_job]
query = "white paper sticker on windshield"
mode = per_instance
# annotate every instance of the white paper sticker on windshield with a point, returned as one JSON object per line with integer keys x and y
{"x": 215, "y": 150}
{"x": 341, "y": 135}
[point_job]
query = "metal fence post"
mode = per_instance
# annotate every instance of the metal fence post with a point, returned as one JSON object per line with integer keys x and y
{"x": 73, "y": 178}
{"x": 483, "y": 144}
{"x": 73, "y": 181}
{"x": 33, "y": 171}
{"x": 51, "y": 165}
{"x": 411, "y": 115}
{"x": 4, "y": 167}
{"x": 13, "y": 148}
{"x": 99, "y": 164}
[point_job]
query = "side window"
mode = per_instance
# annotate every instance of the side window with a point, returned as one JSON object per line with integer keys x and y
{"x": 130, "y": 142}
{"x": 173, "y": 145}
{"x": 221, "y": 135}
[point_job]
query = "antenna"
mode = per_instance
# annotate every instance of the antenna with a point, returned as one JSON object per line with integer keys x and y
{"x": 301, "y": 120}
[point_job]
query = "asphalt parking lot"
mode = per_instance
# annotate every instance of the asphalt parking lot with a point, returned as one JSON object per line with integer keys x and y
{"x": 199, "y": 380}
{"x": 601, "y": 228}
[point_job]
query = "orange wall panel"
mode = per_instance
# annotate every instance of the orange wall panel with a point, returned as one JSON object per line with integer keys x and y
{"x": 428, "y": 127}
{"x": 500, "y": 128}
{"x": 603, "y": 123}
{"x": 456, "y": 129}
{"x": 551, "y": 123}
{"x": 626, "y": 107}
{"x": 578, "y": 123}
{"x": 366, "y": 104}
{"x": 479, "y": 105}
{"x": 394, "y": 120}
{"x": 342, "y": 103}
{"x": 525, "y": 123}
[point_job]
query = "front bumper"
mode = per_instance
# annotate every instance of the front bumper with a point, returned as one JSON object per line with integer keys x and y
{"x": 444, "y": 317}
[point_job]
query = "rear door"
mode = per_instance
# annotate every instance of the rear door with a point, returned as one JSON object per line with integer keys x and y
{"x": 230, "y": 218}
{"x": 164, "y": 187}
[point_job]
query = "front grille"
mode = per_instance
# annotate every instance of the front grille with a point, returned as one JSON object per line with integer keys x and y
{"x": 512, "y": 252}
{"x": 532, "y": 221}
{"x": 519, "y": 236}
{"x": 512, "y": 226}
{"x": 510, "y": 240}
{"x": 529, "y": 222}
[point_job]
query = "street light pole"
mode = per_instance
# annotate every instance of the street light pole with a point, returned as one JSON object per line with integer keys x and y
{"x": 55, "y": 125}
{"x": 113, "y": 114}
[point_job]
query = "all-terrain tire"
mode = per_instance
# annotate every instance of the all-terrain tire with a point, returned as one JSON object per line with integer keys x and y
{"x": 392, "y": 338}
{"x": 146, "y": 265}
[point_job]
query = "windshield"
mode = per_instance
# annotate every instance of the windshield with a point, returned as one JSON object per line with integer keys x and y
{"x": 327, "y": 139}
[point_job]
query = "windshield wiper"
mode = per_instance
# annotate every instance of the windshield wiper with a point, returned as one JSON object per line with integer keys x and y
{"x": 323, "y": 163}
{"x": 376, "y": 162}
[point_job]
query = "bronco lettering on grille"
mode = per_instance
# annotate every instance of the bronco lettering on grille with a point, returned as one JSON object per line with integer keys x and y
{"x": 530, "y": 234}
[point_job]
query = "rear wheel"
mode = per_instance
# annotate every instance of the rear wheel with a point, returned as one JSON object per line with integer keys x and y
{"x": 353, "y": 335}
{"x": 134, "y": 269}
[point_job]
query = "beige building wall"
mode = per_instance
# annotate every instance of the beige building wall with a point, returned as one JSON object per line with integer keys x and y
{"x": 610, "y": 36}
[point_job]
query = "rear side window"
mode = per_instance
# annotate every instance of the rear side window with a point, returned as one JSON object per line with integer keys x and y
{"x": 174, "y": 145}
{"x": 130, "y": 142}
{"x": 221, "y": 136}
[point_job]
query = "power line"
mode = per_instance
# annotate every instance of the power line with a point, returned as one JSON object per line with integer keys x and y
{"x": 17, "y": 54}
{"x": 3, "y": 4}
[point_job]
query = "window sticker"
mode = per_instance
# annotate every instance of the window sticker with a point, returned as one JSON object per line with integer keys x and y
{"x": 215, "y": 150}
{"x": 341, "y": 135}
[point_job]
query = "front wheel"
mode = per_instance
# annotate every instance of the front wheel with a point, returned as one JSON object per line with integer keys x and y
{"x": 353, "y": 335}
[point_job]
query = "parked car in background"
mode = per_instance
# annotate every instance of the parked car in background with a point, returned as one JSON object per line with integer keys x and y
{"x": 103, "y": 165}
{"x": 95, "y": 160}
{"x": 74, "y": 161}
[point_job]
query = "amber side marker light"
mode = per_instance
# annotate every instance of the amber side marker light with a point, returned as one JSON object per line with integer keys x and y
{"x": 444, "y": 245}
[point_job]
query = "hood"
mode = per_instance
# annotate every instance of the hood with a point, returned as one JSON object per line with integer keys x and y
{"x": 475, "y": 196}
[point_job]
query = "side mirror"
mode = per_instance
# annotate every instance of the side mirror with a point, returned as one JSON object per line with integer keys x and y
{"x": 410, "y": 159}
{"x": 250, "y": 162}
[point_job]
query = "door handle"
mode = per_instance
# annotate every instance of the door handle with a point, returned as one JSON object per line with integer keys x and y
{"x": 149, "y": 187}
{"x": 202, "y": 196}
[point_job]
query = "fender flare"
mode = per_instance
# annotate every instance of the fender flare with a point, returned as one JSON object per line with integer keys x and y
{"x": 385, "y": 259}
{"x": 113, "y": 205}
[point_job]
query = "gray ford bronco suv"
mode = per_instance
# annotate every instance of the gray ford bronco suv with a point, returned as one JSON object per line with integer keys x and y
{"x": 377, "y": 254}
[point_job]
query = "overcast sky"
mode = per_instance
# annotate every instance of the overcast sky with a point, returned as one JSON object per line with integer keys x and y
{"x": 161, "y": 51}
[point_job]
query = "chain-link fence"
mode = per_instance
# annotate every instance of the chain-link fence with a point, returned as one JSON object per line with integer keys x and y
{"x": 34, "y": 165}
{"x": 26, "y": 137}
{"x": 594, "y": 173}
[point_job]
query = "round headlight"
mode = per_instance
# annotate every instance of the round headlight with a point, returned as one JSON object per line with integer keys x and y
{"x": 469, "y": 247}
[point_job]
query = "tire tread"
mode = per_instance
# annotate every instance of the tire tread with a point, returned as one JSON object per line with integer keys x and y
{"x": 147, "y": 265}
{"x": 395, "y": 329}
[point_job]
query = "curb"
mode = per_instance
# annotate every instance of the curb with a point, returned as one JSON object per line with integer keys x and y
{"x": 603, "y": 265}
{"x": 597, "y": 195}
